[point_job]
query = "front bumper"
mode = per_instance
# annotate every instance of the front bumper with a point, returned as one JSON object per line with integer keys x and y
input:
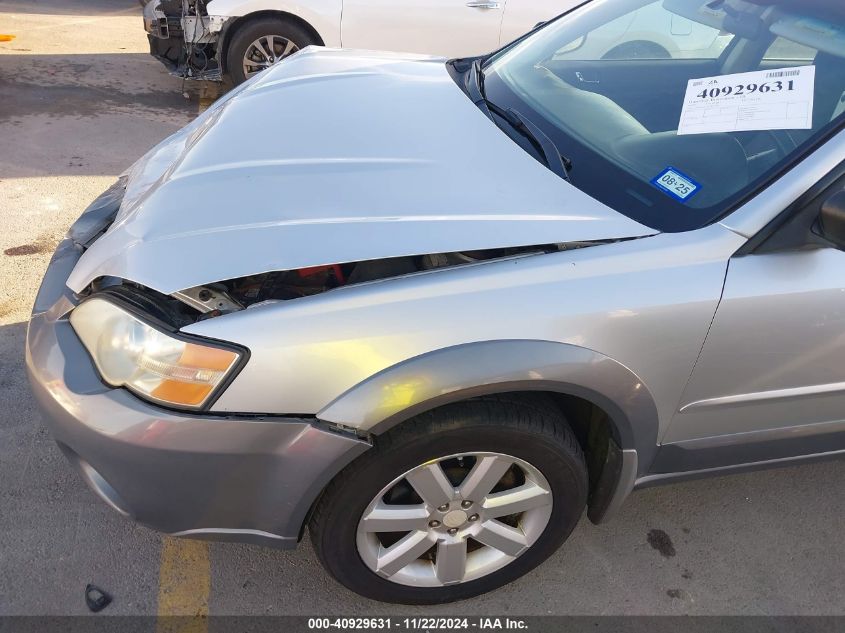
{"x": 246, "y": 479}
{"x": 187, "y": 46}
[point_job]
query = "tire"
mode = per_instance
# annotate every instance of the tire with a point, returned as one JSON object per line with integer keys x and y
{"x": 530, "y": 431}
{"x": 252, "y": 31}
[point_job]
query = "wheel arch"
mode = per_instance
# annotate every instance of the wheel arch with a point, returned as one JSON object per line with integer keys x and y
{"x": 238, "y": 23}
{"x": 573, "y": 375}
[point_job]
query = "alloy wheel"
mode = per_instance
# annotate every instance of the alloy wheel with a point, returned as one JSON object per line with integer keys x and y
{"x": 266, "y": 51}
{"x": 454, "y": 519}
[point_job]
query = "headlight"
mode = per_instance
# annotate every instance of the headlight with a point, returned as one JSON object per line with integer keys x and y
{"x": 131, "y": 353}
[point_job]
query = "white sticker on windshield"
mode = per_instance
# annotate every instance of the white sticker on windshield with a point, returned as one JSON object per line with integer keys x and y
{"x": 778, "y": 99}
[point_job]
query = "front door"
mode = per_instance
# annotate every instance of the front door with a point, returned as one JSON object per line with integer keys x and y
{"x": 770, "y": 380}
{"x": 451, "y": 28}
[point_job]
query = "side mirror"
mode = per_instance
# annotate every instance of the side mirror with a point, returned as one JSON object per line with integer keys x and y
{"x": 832, "y": 219}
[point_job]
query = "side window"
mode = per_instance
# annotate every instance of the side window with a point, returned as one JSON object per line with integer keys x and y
{"x": 784, "y": 50}
{"x": 829, "y": 98}
{"x": 650, "y": 32}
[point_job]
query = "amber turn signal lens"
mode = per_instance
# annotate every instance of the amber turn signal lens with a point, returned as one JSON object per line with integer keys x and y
{"x": 200, "y": 365}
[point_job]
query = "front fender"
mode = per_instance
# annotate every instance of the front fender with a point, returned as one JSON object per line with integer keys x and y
{"x": 474, "y": 369}
{"x": 322, "y": 16}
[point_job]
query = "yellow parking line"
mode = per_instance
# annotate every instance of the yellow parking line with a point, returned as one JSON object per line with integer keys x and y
{"x": 184, "y": 584}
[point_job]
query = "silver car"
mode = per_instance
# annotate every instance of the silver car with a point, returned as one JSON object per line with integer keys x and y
{"x": 435, "y": 310}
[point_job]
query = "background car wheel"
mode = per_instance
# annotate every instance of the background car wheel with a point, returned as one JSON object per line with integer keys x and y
{"x": 638, "y": 50}
{"x": 454, "y": 503}
{"x": 261, "y": 43}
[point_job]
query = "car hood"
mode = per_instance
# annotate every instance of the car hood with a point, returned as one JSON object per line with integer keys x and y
{"x": 333, "y": 157}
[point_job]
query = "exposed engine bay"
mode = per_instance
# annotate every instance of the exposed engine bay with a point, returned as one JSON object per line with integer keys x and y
{"x": 236, "y": 294}
{"x": 185, "y": 38}
{"x": 212, "y": 300}
{"x": 292, "y": 284}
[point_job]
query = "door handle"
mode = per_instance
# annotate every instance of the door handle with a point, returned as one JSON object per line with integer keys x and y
{"x": 483, "y": 4}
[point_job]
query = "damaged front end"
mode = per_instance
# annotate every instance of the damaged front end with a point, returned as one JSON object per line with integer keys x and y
{"x": 185, "y": 38}
{"x": 222, "y": 222}
{"x": 199, "y": 303}
{"x": 191, "y": 305}
{"x": 232, "y": 295}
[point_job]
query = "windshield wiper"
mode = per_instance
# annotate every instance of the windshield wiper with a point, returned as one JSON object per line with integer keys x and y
{"x": 555, "y": 161}
{"x": 475, "y": 85}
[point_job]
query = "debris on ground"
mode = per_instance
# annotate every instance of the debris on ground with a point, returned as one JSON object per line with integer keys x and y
{"x": 96, "y": 598}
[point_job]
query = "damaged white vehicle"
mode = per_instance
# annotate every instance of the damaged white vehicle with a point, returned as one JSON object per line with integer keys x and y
{"x": 207, "y": 39}
{"x": 434, "y": 311}
{"x": 210, "y": 39}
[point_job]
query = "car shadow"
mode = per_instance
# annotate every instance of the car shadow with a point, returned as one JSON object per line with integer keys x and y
{"x": 86, "y": 114}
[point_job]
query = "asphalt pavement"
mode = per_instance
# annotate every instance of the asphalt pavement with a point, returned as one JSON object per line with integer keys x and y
{"x": 80, "y": 100}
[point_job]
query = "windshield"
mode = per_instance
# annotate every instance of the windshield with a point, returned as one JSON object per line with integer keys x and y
{"x": 674, "y": 111}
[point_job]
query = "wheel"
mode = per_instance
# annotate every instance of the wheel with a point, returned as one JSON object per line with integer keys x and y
{"x": 638, "y": 50}
{"x": 453, "y": 503}
{"x": 261, "y": 43}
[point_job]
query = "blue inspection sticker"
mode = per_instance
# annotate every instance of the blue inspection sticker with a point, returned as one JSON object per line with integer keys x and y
{"x": 677, "y": 184}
